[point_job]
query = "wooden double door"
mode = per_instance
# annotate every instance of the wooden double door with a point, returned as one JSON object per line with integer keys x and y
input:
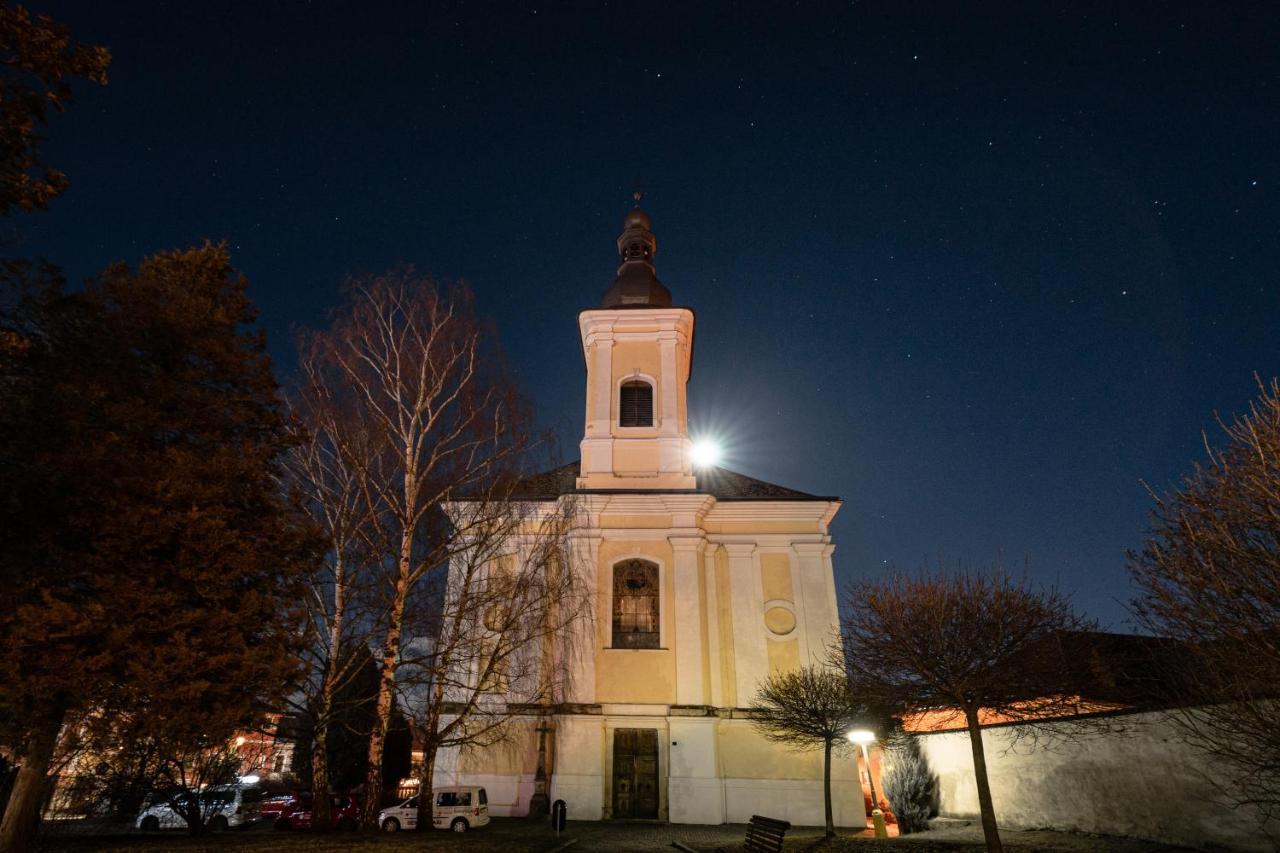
{"x": 635, "y": 773}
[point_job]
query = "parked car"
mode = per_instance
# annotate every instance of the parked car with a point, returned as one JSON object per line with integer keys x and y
{"x": 275, "y": 804}
{"x": 345, "y": 811}
{"x": 222, "y": 807}
{"x": 457, "y": 807}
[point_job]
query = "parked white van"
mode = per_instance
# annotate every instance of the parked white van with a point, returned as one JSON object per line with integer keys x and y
{"x": 222, "y": 806}
{"x": 457, "y": 807}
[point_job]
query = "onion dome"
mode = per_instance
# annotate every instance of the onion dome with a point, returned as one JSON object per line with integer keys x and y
{"x": 637, "y": 285}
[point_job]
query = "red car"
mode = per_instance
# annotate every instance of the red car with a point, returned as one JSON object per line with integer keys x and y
{"x": 279, "y": 802}
{"x": 346, "y": 814}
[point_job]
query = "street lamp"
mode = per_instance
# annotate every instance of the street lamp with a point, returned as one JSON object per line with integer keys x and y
{"x": 862, "y": 737}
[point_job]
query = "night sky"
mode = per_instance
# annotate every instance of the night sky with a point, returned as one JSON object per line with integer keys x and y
{"x": 980, "y": 271}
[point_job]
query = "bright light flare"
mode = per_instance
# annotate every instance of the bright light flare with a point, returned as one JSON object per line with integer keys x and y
{"x": 861, "y": 736}
{"x": 704, "y": 453}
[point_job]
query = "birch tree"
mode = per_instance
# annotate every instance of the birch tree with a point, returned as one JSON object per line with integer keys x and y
{"x": 326, "y": 470}
{"x": 423, "y": 389}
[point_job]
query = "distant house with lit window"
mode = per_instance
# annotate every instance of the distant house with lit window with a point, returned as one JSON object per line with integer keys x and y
{"x": 706, "y": 580}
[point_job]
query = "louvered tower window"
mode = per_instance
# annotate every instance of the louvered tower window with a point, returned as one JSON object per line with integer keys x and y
{"x": 635, "y": 605}
{"x": 636, "y": 404}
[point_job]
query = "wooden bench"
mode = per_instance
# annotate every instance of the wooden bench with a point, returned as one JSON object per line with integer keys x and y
{"x": 764, "y": 834}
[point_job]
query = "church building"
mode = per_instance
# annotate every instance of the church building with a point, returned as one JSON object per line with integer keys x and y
{"x": 706, "y": 581}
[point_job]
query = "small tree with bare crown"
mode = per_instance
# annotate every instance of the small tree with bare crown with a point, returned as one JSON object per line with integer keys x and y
{"x": 809, "y": 708}
{"x": 986, "y": 643}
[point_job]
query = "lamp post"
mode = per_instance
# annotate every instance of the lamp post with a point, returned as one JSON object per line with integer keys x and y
{"x": 862, "y": 737}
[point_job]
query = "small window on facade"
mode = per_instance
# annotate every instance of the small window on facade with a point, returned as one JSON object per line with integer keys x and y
{"x": 635, "y": 605}
{"x": 636, "y": 404}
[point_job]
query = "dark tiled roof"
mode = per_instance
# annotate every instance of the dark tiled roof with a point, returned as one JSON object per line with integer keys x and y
{"x": 721, "y": 483}
{"x": 1129, "y": 669}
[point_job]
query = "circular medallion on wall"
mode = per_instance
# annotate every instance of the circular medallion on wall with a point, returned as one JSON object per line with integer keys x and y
{"x": 779, "y": 618}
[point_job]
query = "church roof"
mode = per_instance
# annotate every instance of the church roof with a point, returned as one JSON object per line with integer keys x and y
{"x": 720, "y": 483}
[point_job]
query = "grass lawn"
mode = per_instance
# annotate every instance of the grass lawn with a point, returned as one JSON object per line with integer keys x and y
{"x": 267, "y": 843}
{"x": 501, "y": 836}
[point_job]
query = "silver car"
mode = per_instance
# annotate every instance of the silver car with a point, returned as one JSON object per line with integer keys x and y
{"x": 221, "y": 807}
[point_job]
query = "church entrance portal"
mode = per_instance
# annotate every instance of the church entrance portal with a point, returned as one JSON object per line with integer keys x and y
{"x": 635, "y": 773}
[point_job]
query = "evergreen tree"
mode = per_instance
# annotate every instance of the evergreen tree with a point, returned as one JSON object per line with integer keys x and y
{"x": 149, "y": 557}
{"x": 347, "y": 735}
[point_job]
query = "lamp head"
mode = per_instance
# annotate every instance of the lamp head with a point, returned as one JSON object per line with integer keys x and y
{"x": 861, "y": 736}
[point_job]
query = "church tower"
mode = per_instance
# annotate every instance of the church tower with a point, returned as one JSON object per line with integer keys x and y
{"x": 639, "y": 351}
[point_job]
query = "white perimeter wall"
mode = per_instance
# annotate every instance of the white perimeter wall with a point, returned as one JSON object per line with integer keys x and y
{"x": 1142, "y": 782}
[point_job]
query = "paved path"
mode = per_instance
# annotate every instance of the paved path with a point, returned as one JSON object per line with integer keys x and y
{"x": 611, "y": 837}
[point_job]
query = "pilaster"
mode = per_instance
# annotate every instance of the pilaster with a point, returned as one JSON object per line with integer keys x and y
{"x": 715, "y": 660}
{"x": 687, "y": 597}
{"x": 817, "y": 585}
{"x": 751, "y": 661}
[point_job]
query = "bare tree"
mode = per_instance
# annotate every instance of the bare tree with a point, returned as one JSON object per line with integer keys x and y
{"x": 423, "y": 388}
{"x": 985, "y": 643}
{"x": 326, "y": 469}
{"x": 510, "y": 605}
{"x": 1209, "y": 577}
{"x": 810, "y": 708}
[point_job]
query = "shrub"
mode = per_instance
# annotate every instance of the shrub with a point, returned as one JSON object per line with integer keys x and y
{"x": 911, "y": 788}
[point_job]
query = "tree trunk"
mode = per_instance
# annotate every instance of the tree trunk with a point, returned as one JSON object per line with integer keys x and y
{"x": 989, "y": 830}
{"x": 426, "y": 799}
{"x": 826, "y": 788}
{"x": 22, "y": 815}
{"x": 194, "y": 812}
{"x": 321, "y": 804}
{"x": 386, "y": 688}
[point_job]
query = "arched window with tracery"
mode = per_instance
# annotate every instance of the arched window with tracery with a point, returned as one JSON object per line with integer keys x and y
{"x": 635, "y": 605}
{"x": 635, "y": 404}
